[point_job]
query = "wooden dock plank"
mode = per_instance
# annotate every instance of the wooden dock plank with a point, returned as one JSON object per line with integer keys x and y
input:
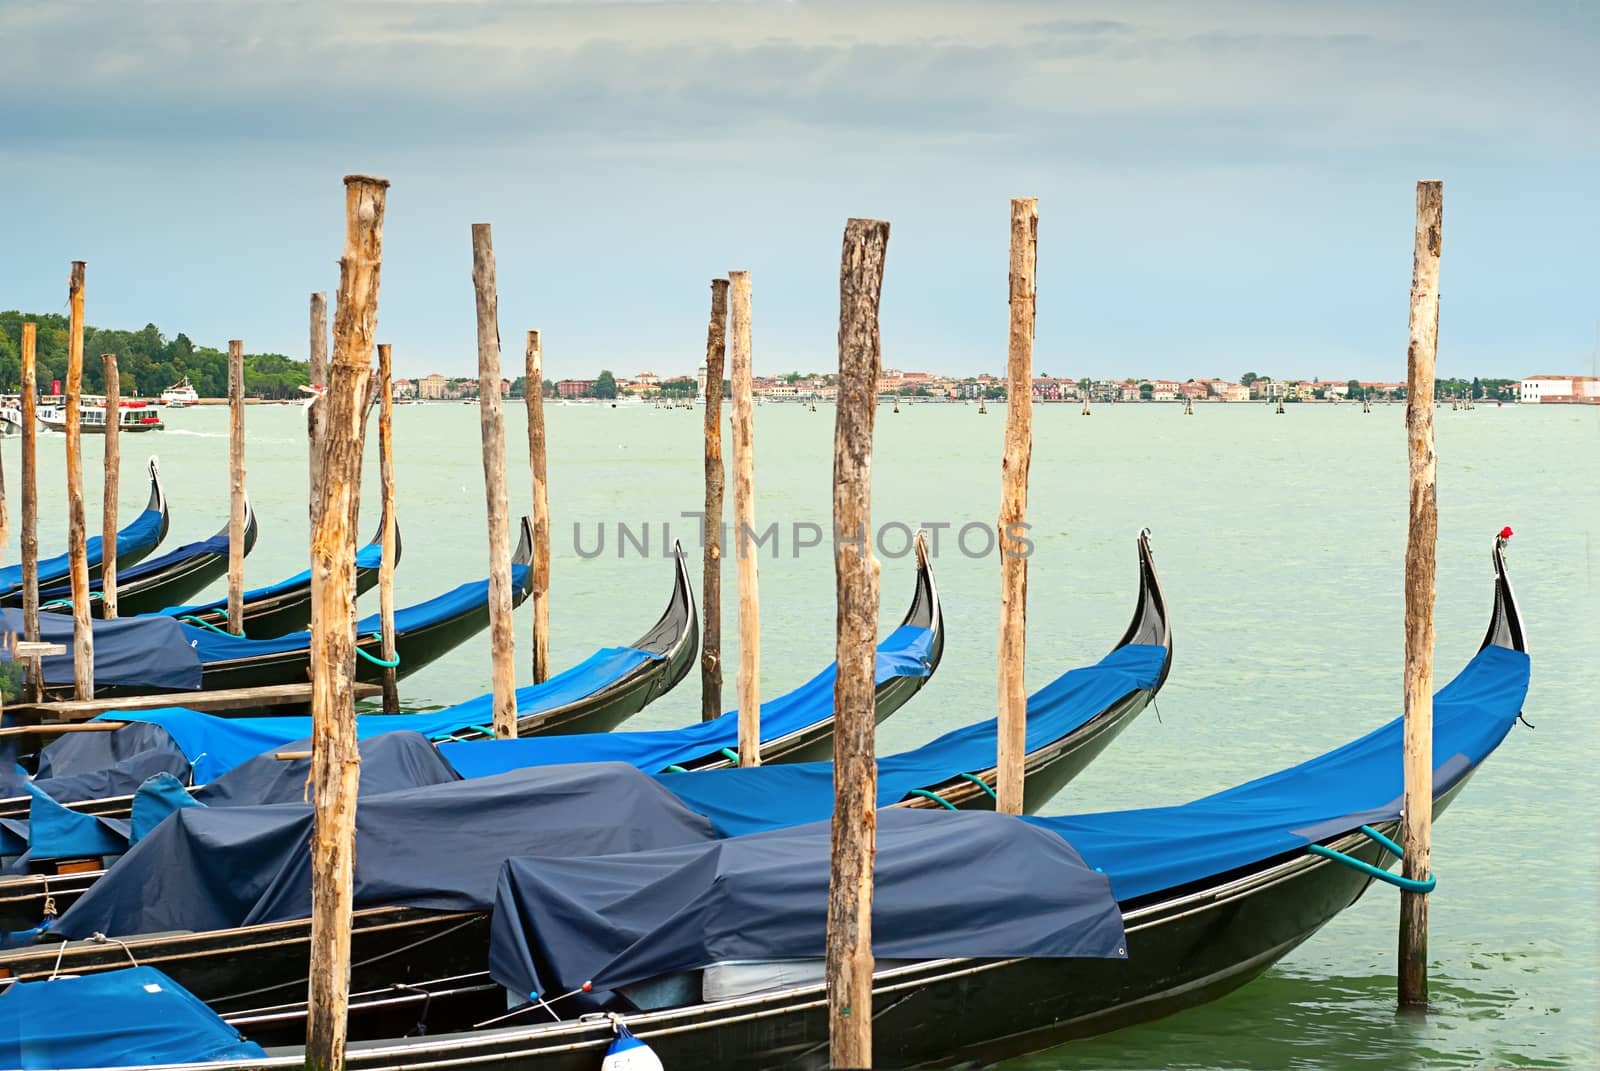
{"x": 214, "y": 702}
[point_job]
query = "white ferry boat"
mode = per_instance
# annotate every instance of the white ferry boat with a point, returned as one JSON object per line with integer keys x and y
{"x": 180, "y": 395}
{"x": 131, "y": 416}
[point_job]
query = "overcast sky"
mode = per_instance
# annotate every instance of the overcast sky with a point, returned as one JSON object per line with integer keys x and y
{"x": 1223, "y": 187}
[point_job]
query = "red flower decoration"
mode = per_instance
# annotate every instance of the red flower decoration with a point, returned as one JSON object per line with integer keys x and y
{"x": 1506, "y": 532}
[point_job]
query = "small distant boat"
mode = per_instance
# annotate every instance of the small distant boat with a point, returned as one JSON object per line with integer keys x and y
{"x": 131, "y": 416}
{"x": 181, "y": 395}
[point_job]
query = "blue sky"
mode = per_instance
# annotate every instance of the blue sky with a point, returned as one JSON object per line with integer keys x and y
{"x": 1223, "y": 187}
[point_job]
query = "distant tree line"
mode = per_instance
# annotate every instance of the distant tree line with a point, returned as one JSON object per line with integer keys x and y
{"x": 147, "y": 359}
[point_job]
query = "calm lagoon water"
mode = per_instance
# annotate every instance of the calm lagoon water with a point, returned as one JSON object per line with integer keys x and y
{"x": 1280, "y": 542}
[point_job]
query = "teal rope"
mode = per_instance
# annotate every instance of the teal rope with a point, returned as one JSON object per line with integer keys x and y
{"x": 934, "y": 796}
{"x": 189, "y": 619}
{"x": 729, "y": 753}
{"x": 375, "y": 660}
{"x": 1411, "y": 885}
{"x": 674, "y": 768}
{"x": 980, "y": 782}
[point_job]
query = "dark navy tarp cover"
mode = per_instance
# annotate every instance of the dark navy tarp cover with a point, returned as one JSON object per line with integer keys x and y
{"x": 968, "y": 884}
{"x": 390, "y": 762}
{"x": 439, "y": 848}
{"x": 368, "y": 557}
{"x": 215, "y": 646}
{"x": 1159, "y": 848}
{"x": 91, "y": 766}
{"x": 135, "y": 1017}
{"x": 903, "y": 654}
{"x": 142, "y": 652}
{"x": 143, "y": 533}
{"x": 751, "y": 799}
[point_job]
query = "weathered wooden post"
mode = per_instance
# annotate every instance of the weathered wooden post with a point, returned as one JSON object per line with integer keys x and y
{"x": 502, "y": 641}
{"x": 30, "y": 500}
{"x": 711, "y": 585}
{"x": 236, "y": 504}
{"x": 533, "y": 397}
{"x": 1422, "y": 535}
{"x": 1013, "y": 725}
{"x": 335, "y": 758}
{"x": 855, "y": 773}
{"x": 391, "y": 688}
{"x": 318, "y": 370}
{"x": 744, "y": 520}
{"x": 113, "y": 475}
{"x": 77, "y": 553}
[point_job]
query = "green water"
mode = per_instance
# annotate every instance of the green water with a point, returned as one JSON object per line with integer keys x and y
{"x": 1279, "y": 540}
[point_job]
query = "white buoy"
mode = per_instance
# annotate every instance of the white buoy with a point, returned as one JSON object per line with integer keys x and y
{"x": 628, "y": 1053}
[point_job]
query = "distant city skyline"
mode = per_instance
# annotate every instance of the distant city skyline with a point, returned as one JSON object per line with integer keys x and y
{"x": 1222, "y": 187}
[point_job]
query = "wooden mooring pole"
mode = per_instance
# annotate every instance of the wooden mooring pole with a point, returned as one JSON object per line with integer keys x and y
{"x": 113, "y": 475}
{"x": 391, "y": 687}
{"x": 533, "y": 396}
{"x": 502, "y": 641}
{"x": 30, "y": 500}
{"x": 744, "y": 519}
{"x": 1422, "y": 536}
{"x": 236, "y": 505}
{"x": 335, "y": 758}
{"x": 855, "y": 780}
{"x": 77, "y": 553}
{"x": 1013, "y": 724}
{"x": 318, "y": 371}
{"x": 711, "y": 582}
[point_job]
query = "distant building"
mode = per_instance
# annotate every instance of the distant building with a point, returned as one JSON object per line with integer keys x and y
{"x": 432, "y": 386}
{"x": 1565, "y": 390}
{"x": 404, "y": 388}
{"x": 574, "y": 388}
{"x": 700, "y": 381}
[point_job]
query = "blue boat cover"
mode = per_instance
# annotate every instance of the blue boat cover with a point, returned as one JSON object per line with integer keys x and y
{"x": 437, "y": 848}
{"x": 368, "y": 557}
{"x": 599, "y": 671}
{"x": 57, "y": 832}
{"x": 216, "y": 545}
{"x": 90, "y": 766}
{"x": 142, "y": 652}
{"x": 903, "y": 654}
{"x": 155, "y": 799}
{"x": 967, "y": 884}
{"x": 135, "y": 1017}
{"x": 215, "y": 646}
{"x": 755, "y": 798}
{"x": 1161, "y": 848}
{"x": 390, "y": 762}
{"x": 143, "y": 533}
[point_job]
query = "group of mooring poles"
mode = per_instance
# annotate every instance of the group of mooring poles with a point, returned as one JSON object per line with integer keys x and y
{"x": 336, "y": 430}
{"x": 78, "y": 570}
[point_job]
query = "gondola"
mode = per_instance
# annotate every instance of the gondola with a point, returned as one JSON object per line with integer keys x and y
{"x": 160, "y": 582}
{"x": 156, "y": 654}
{"x": 284, "y": 607}
{"x": 77, "y": 769}
{"x": 411, "y": 945}
{"x": 134, "y": 543}
{"x": 1210, "y": 894}
{"x": 199, "y": 748}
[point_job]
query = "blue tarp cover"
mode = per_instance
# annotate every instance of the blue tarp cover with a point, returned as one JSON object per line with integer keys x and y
{"x": 747, "y": 800}
{"x": 136, "y": 1017}
{"x": 390, "y": 762}
{"x": 1159, "y": 848}
{"x": 439, "y": 848}
{"x": 57, "y": 832}
{"x": 142, "y": 534}
{"x": 903, "y": 654}
{"x": 90, "y": 766}
{"x": 141, "y": 652}
{"x": 368, "y": 557}
{"x": 217, "y": 545}
{"x": 967, "y": 884}
{"x": 220, "y": 647}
